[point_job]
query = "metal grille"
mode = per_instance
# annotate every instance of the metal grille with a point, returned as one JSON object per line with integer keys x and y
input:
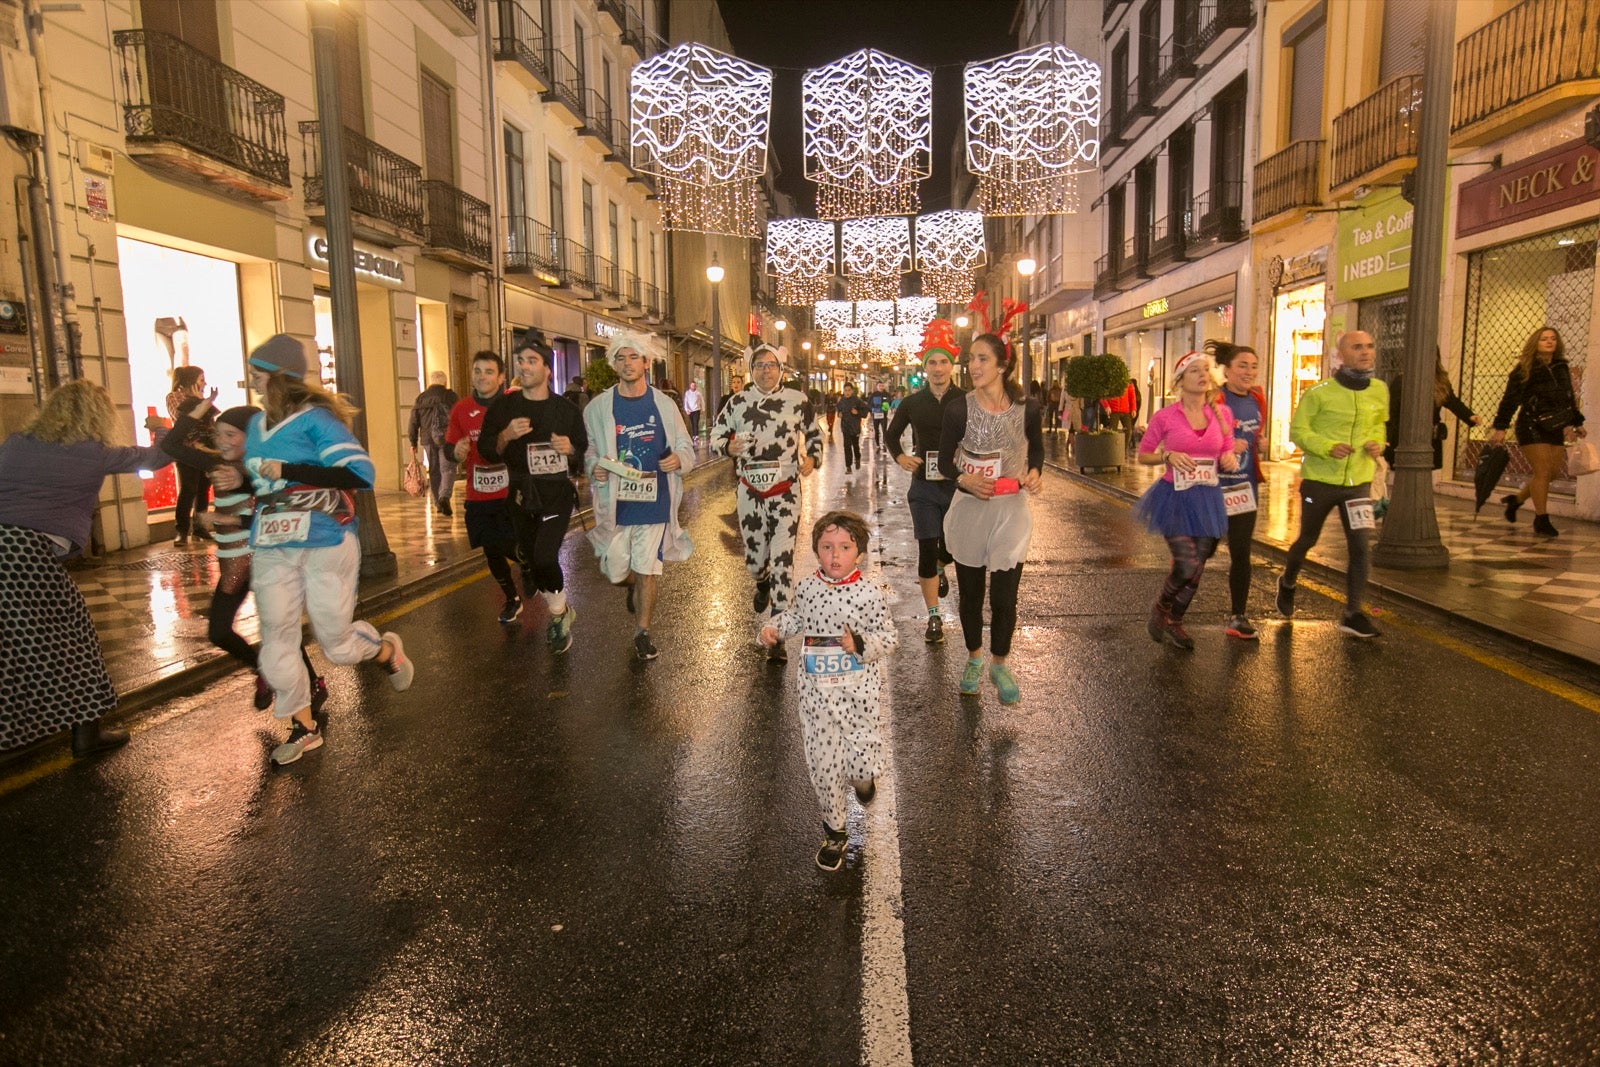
{"x": 1513, "y": 290}
{"x": 1385, "y": 319}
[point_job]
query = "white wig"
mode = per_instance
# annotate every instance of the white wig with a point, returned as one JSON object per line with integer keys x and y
{"x": 643, "y": 343}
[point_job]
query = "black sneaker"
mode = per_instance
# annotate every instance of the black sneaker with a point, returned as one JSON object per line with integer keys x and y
{"x": 778, "y": 654}
{"x": 763, "y": 595}
{"x": 865, "y": 793}
{"x": 1358, "y": 625}
{"x": 511, "y": 611}
{"x": 263, "y": 699}
{"x": 1239, "y": 626}
{"x": 643, "y": 647}
{"x": 319, "y": 695}
{"x": 830, "y": 857}
{"x": 1285, "y": 601}
{"x": 944, "y": 583}
{"x": 935, "y": 631}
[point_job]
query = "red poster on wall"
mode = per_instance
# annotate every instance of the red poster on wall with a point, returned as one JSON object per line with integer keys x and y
{"x": 160, "y": 487}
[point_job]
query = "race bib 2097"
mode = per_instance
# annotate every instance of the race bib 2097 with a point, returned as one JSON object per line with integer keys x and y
{"x": 277, "y": 528}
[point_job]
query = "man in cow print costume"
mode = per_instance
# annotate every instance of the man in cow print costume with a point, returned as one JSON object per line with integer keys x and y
{"x": 848, "y": 631}
{"x": 771, "y": 433}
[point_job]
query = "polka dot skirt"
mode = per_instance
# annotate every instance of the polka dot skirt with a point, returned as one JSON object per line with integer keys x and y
{"x": 52, "y": 674}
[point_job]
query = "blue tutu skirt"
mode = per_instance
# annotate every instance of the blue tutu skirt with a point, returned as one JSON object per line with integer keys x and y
{"x": 1196, "y": 512}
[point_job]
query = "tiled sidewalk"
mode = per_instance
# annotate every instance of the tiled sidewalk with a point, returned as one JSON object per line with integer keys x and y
{"x": 1545, "y": 591}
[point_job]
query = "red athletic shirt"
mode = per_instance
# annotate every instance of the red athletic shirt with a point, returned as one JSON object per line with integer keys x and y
{"x": 466, "y": 419}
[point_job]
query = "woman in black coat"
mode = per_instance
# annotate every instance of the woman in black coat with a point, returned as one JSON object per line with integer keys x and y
{"x": 1539, "y": 392}
{"x": 1444, "y": 397}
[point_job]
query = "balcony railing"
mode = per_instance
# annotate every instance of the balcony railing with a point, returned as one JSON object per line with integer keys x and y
{"x": 457, "y": 223}
{"x": 652, "y": 302}
{"x": 1174, "y": 65}
{"x": 632, "y": 289}
{"x": 1377, "y": 131}
{"x": 1131, "y": 263}
{"x": 177, "y": 94}
{"x": 598, "y": 120}
{"x": 468, "y": 8}
{"x": 1105, "y": 277}
{"x": 1221, "y": 23}
{"x": 1217, "y": 217}
{"x": 383, "y": 185}
{"x": 1537, "y": 46}
{"x": 519, "y": 38}
{"x": 566, "y": 88}
{"x": 607, "y": 281}
{"x": 533, "y": 248}
{"x": 1288, "y": 179}
{"x": 633, "y": 31}
{"x": 1166, "y": 243}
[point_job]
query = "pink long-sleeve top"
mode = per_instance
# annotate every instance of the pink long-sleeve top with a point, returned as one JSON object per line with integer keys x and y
{"x": 1170, "y": 427}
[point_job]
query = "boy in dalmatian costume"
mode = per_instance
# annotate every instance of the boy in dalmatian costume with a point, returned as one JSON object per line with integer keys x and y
{"x": 771, "y": 433}
{"x": 848, "y": 633}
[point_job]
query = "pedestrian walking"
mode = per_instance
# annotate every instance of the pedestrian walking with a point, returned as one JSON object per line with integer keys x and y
{"x": 305, "y": 466}
{"x": 1193, "y": 438}
{"x": 852, "y": 410}
{"x": 1339, "y": 424}
{"x": 231, "y": 522}
{"x": 1241, "y": 487}
{"x": 878, "y": 407}
{"x": 52, "y": 672}
{"x": 577, "y": 393}
{"x": 994, "y": 441}
{"x": 735, "y": 387}
{"x": 430, "y": 424}
{"x": 772, "y": 435}
{"x": 638, "y": 451}
{"x": 1052, "y": 407}
{"x": 693, "y": 403}
{"x": 1444, "y": 397}
{"x": 830, "y": 405}
{"x": 538, "y": 436}
{"x": 489, "y": 524}
{"x": 931, "y": 487}
{"x": 1539, "y": 394}
{"x": 848, "y": 631}
{"x": 1122, "y": 412}
{"x": 194, "y": 490}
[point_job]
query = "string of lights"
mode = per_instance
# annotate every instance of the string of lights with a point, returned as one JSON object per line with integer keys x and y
{"x": 868, "y": 130}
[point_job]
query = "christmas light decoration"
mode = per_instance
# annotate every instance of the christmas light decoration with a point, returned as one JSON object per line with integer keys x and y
{"x": 700, "y": 123}
{"x": 874, "y": 253}
{"x": 1032, "y": 120}
{"x": 800, "y": 256}
{"x": 828, "y": 317}
{"x": 872, "y": 313}
{"x": 950, "y": 249}
{"x": 868, "y": 134}
{"x": 915, "y": 312}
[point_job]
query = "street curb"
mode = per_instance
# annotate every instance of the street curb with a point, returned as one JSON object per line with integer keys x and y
{"x": 1333, "y": 575}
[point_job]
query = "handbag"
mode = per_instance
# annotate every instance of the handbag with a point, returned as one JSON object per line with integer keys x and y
{"x": 414, "y": 480}
{"x": 1553, "y": 421}
{"x": 1582, "y": 458}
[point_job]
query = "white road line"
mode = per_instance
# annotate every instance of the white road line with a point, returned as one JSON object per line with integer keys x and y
{"x": 885, "y": 1008}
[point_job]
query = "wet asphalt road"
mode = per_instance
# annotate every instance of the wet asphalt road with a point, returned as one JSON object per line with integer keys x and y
{"x": 1306, "y": 851}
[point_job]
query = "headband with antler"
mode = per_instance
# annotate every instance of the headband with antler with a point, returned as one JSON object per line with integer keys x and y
{"x": 1009, "y": 307}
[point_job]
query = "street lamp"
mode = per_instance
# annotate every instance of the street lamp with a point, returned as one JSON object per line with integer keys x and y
{"x": 714, "y": 274}
{"x": 780, "y": 324}
{"x": 1025, "y": 267}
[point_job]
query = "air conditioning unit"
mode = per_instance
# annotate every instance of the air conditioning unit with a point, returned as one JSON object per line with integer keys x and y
{"x": 96, "y": 158}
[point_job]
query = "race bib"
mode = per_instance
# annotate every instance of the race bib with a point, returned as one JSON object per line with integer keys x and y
{"x": 1359, "y": 512}
{"x": 1239, "y": 499}
{"x": 986, "y": 465}
{"x": 827, "y": 664}
{"x": 1204, "y": 473}
{"x": 277, "y": 528}
{"x": 930, "y": 467}
{"x": 640, "y": 489}
{"x": 762, "y": 476}
{"x": 544, "y": 459}
{"x": 489, "y": 480}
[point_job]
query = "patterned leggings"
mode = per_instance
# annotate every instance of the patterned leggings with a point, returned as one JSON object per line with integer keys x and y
{"x": 1189, "y": 555}
{"x": 769, "y": 526}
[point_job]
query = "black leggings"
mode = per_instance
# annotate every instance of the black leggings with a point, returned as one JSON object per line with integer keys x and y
{"x": 1241, "y": 535}
{"x": 500, "y": 567}
{"x": 1317, "y": 499}
{"x": 1189, "y": 556}
{"x": 539, "y": 540}
{"x": 877, "y": 431}
{"x": 931, "y": 556}
{"x": 219, "y": 630}
{"x": 1003, "y": 586}
{"x": 852, "y": 448}
{"x": 194, "y": 493}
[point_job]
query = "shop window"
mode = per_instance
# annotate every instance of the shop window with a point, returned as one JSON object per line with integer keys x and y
{"x": 1298, "y": 320}
{"x": 1385, "y": 319}
{"x": 1513, "y": 290}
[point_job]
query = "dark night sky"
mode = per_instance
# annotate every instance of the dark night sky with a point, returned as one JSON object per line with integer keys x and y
{"x": 792, "y": 35}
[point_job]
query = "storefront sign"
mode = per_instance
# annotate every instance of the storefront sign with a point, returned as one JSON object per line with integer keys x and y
{"x": 1374, "y": 247}
{"x": 1561, "y": 177}
{"x": 369, "y": 262}
{"x": 1155, "y": 307}
{"x": 1305, "y": 267}
{"x": 1205, "y": 296}
{"x": 602, "y": 328}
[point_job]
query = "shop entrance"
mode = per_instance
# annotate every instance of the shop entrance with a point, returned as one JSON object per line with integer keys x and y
{"x": 1298, "y": 319}
{"x": 1513, "y": 290}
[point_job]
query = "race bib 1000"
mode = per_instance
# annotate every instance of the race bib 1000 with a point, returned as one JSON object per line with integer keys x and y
{"x": 1239, "y": 499}
{"x": 986, "y": 465}
{"x": 489, "y": 480}
{"x": 544, "y": 459}
{"x": 827, "y": 664}
{"x": 1359, "y": 512}
{"x": 640, "y": 489}
{"x": 277, "y": 528}
{"x": 1204, "y": 473}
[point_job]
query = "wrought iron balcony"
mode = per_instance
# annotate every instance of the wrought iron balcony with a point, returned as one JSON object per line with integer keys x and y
{"x": 187, "y": 112}
{"x": 1105, "y": 277}
{"x": 1175, "y": 68}
{"x": 1131, "y": 267}
{"x": 579, "y": 271}
{"x": 520, "y": 39}
{"x": 385, "y": 187}
{"x": 607, "y": 282}
{"x": 653, "y": 312}
{"x": 1221, "y": 24}
{"x": 633, "y": 32}
{"x": 599, "y": 127}
{"x": 468, "y": 8}
{"x": 458, "y": 226}
{"x": 613, "y": 11}
{"x": 1139, "y": 111}
{"x": 533, "y": 248}
{"x": 1378, "y": 133}
{"x": 1288, "y": 179}
{"x": 1167, "y": 247}
{"x": 1217, "y": 217}
{"x": 566, "y": 91}
{"x": 1540, "y": 56}
{"x": 632, "y": 289}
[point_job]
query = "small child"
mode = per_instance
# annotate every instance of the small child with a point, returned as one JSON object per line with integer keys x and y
{"x": 846, "y": 624}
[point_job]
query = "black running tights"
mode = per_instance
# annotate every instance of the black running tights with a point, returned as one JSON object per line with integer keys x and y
{"x": 1003, "y": 586}
{"x": 931, "y": 556}
{"x": 1241, "y": 535}
{"x": 852, "y": 448}
{"x": 219, "y": 630}
{"x": 539, "y": 540}
{"x": 500, "y": 567}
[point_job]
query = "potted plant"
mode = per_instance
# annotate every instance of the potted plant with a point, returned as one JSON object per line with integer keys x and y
{"x": 1092, "y": 379}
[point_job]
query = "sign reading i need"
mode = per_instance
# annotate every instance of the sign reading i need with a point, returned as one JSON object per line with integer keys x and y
{"x": 1374, "y": 247}
{"x": 1565, "y": 175}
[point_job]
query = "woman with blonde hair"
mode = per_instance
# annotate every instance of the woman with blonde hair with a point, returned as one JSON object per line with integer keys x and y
{"x": 1539, "y": 392}
{"x": 52, "y": 673}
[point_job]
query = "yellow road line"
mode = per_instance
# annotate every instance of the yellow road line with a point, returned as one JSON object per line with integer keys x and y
{"x": 33, "y": 774}
{"x": 408, "y": 606}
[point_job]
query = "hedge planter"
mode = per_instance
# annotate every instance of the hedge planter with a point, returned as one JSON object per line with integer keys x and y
{"x": 1099, "y": 450}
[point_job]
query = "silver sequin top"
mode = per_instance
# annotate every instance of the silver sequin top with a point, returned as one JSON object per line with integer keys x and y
{"x": 1005, "y": 433}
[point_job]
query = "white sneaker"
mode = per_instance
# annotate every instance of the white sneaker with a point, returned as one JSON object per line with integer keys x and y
{"x": 300, "y": 742}
{"x": 400, "y": 668}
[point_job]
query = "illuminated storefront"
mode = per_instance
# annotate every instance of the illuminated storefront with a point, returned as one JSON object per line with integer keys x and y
{"x": 1153, "y": 337}
{"x": 1299, "y": 320}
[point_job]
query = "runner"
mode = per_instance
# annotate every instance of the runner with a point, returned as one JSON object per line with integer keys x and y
{"x": 998, "y": 441}
{"x": 636, "y": 434}
{"x": 851, "y": 409}
{"x": 931, "y": 491}
{"x": 1339, "y": 424}
{"x": 878, "y": 405}
{"x": 772, "y": 435}
{"x": 538, "y": 437}
{"x": 830, "y": 401}
{"x": 1193, "y": 438}
{"x": 488, "y": 484}
{"x": 1241, "y": 488}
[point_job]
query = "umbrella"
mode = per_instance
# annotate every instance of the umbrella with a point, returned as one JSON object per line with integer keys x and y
{"x": 1491, "y": 465}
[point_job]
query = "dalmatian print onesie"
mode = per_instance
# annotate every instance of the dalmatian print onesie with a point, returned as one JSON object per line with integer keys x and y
{"x": 839, "y": 708}
{"x": 769, "y": 523}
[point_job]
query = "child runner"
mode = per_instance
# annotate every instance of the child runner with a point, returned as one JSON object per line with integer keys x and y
{"x": 306, "y": 465}
{"x": 488, "y": 484}
{"x": 231, "y": 522}
{"x": 1193, "y": 437}
{"x": 846, "y": 623}
{"x": 1241, "y": 489}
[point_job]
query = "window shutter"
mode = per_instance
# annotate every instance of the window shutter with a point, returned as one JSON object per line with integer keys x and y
{"x": 352, "y": 93}
{"x": 1405, "y": 28}
{"x": 1305, "y": 93}
{"x": 438, "y": 130}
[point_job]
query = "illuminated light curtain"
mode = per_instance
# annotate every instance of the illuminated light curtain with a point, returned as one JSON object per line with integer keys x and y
{"x": 950, "y": 249}
{"x": 800, "y": 255}
{"x": 700, "y": 125}
{"x": 868, "y": 134}
{"x": 915, "y": 312}
{"x": 1032, "y": 120}
{"x": 874, "y": 253}
{"x": 828, "y": 317}
{"x": 873, "y": 313}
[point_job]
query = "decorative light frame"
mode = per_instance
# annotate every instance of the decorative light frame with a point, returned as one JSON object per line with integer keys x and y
{"x": 801, "y": 256}
{"x": 868, "y": 134}
{"x": 1033, "y": 126}
{"x": 950, "y": 249}
{"x": 873, "y": 254}
{"x": 915, "y": 312}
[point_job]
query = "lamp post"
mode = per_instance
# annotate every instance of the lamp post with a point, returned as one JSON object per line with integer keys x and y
{"x": 376, "y": 559}
{"x": 1025, "y": 267}
{"x": 780, "y": 324}
{"x": 714, "y": 276}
